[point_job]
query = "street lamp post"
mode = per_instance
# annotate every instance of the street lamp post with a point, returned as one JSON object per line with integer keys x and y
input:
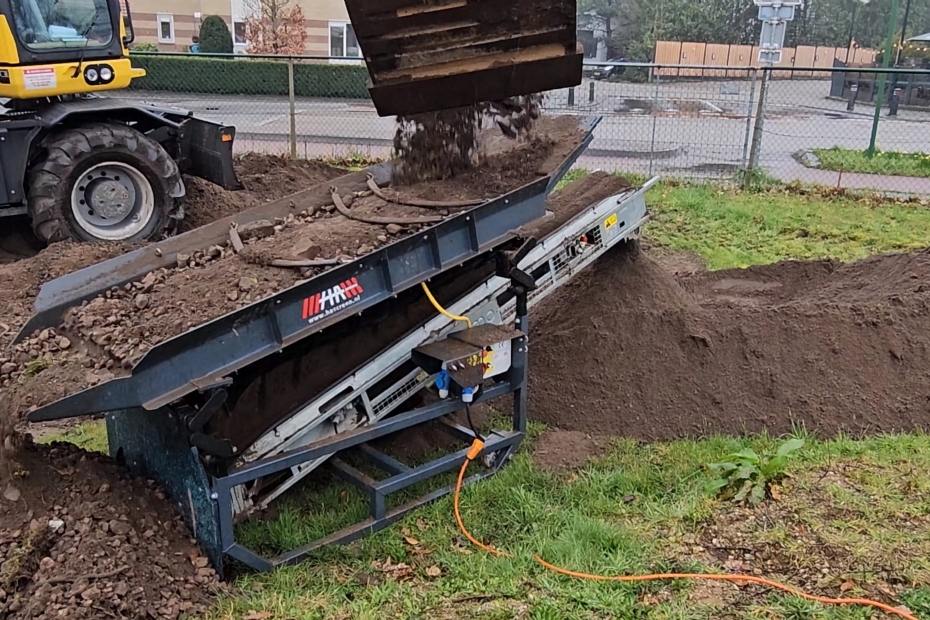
{"x": 886, "y": 59}
{"x": 907, "y": 14}
{"x": 852, "y": 26}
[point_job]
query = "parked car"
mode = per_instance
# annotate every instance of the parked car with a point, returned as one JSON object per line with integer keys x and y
{"x": 605, "y": 71}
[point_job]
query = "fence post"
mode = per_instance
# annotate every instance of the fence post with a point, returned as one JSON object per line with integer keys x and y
{"x": 883, "y": 77}
{"x": 655, "y": 116}
{"x": 752, "y": 99}
{"x": 292, "y": 108}
{"x": 757, "y": 129}
{"x": 591, "y": 92}
{"x": 571, "y": 96}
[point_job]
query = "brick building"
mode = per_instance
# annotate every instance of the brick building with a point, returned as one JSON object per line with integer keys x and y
{"x": 170, "y": 24}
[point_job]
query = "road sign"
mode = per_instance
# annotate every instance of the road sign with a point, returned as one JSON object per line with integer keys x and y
{"x": 785, "y": 13}
{"x": 774, "y": 15}
{"x": 772, "y": 57}
{"x": 773, "y": 34}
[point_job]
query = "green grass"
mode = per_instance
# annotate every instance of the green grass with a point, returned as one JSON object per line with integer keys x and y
{"x": 91, "y": 436}
{"x": 729, "y": 228}
{"x": 883, "y": 162}
{"x": 586, "y": 521}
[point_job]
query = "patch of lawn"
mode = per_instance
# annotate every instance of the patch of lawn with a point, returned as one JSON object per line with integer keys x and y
{"x": 852, "y": 512}
{"x": 884, "y": 162}
{"x": 729, "y": 228}
{"x": 90, "y": 436}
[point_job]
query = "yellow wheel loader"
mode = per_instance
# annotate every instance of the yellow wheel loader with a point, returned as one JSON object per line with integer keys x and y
{"x": 82, "y": 166}
{"x": 88, "y": 168}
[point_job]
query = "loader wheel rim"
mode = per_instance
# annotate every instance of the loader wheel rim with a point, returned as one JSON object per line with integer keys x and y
{"x": 112, "y": 201}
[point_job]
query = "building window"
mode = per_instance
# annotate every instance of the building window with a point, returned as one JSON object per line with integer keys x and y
{"x": 342, "y": 41}
{"x": 239, "y": 32}
{"x": 165, "y": 28}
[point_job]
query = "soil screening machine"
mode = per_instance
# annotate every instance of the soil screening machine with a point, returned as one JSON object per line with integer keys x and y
{"x": 234, "y": 412}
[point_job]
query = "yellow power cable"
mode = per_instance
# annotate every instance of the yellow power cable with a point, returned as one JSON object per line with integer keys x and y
{"x": 442, "y": 310}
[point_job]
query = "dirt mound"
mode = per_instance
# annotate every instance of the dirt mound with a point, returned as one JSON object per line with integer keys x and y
{"x": 20, "y": 281}
{"x": 265, "y": 177}
{"x": 79, "y": 535}
{"x": 627, "y": 349}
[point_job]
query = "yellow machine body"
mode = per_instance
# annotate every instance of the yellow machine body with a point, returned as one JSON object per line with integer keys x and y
{"x": 24, "y": 75}
{"x": 33, "y": 81}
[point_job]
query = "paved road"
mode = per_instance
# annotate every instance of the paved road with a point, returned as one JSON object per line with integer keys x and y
{"x": 680, "y": 128}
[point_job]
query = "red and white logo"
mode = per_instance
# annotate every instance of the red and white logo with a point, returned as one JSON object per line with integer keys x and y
{"x": 331, "y": 300}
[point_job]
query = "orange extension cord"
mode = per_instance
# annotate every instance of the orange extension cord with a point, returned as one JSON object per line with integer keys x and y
{"x": 475, "y": 450}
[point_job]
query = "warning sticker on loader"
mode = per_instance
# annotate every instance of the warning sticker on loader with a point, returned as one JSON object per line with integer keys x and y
{"x": 39, "y": 79}
{"x": 611, "y": 221}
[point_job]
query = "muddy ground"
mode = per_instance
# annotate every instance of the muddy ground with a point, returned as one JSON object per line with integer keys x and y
{"x": 629, "y": 349}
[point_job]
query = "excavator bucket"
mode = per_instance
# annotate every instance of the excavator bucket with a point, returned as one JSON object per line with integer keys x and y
{"x": 427, "y": 55}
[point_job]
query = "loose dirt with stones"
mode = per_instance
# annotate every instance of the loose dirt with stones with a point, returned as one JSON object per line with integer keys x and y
{"x": 264, "y": 177}
{"x": 80, "y": 536}
{"x": 628, "y": 349}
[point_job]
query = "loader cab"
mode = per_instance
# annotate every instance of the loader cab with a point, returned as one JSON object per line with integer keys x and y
{"x": 51, "y": 31}
{"x": 53, "y": 48}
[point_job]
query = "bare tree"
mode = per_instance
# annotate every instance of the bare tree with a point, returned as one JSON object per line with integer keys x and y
{"x": 275, "y": 27}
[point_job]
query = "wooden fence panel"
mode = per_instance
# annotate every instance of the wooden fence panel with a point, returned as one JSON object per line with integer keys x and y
{"x": 783, "y": 68}
{"x": 718, "y": 55}
{"x": 668, "y": 53}
{"x": 804, "y": 57}
{"x": 692, "y": 54}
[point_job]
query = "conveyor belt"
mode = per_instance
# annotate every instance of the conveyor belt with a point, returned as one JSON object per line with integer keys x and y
{"x": 206, "y": 355}
{"x": 362, "y": 398}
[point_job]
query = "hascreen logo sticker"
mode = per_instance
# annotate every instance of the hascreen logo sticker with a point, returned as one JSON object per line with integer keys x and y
{"x": 332, "y": 300}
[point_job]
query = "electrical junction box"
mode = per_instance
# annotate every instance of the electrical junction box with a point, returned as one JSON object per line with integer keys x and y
{"x": 469, "y": 356}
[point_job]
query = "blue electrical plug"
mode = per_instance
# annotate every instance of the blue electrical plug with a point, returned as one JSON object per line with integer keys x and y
{"x": 442, "y": 383}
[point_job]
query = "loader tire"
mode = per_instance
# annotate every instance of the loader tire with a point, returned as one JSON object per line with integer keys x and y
{"x": 103, "y": 182}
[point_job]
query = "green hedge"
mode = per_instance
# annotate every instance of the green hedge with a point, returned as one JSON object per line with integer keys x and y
{"x": 243, "y": 76}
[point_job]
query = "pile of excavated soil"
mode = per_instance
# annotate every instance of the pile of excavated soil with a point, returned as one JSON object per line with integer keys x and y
{"x": 264, "y": 177}
{"x": 81, "y": 538}
{"x": 20, "y": 281}
{"x": 106, "y": 336}
{"x": 628, "y": 349}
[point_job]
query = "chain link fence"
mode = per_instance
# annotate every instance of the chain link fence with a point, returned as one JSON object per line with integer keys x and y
{"x": 811, "y": 126}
